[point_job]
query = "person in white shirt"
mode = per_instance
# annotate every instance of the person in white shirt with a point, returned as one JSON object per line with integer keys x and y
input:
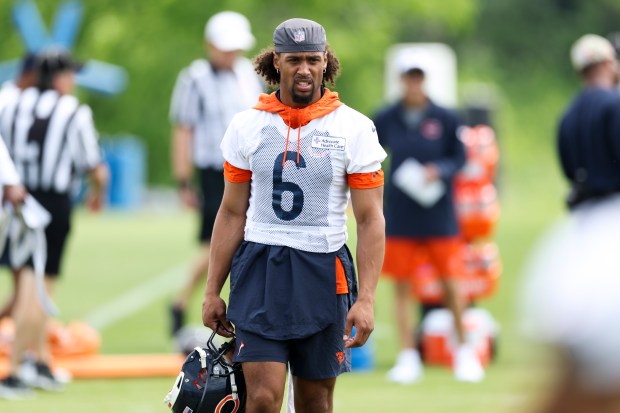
{"x": 206, "y": 96}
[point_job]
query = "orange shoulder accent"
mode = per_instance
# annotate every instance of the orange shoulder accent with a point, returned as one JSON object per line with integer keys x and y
{"x": 341, "y": 279}
{"x": 366, "y": 180}
{"x": 237, "y": 175}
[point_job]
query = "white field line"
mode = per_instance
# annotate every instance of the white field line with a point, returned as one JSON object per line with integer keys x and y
{"x": 135, "y": 300}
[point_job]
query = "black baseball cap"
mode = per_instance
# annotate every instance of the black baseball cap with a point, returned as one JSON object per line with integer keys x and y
{"x": 299, "y": 35}
{"x": 53, "y": 61}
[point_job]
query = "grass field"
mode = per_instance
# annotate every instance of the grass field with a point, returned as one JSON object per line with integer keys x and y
{"x": 122, "y": 268}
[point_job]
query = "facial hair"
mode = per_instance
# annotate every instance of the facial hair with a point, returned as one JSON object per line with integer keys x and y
{"x": 302, "y": 99}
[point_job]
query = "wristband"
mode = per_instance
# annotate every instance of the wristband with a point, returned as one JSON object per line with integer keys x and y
{"x": 184, "y": 184}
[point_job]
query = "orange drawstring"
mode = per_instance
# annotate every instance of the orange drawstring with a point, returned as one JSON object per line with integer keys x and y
{"x": 295, "y": 123}
{"x": 298, "y": 144}
{"x": 286, "y": 145}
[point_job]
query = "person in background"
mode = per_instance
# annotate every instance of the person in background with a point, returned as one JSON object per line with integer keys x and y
{"x": 206, "y": 96}
{"x": 52, "y": 140}
{"x": 421, "y": 137}
{"x": 9, "y": 92}
{"x": 571, "y": 298}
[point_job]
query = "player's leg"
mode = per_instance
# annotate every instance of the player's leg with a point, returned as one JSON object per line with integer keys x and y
{"x": 314, "y": 396}
{"x": 265, "y": 386}
{"x": 37, "y": 372}
{"x": 445, "y": 254}
{"x": 29, "y": 320}
{"x": 399, "y": 266}
{"x": 264, "y": 368}
{"x": 317, "y": 360}
{"x": 7, "y": 310}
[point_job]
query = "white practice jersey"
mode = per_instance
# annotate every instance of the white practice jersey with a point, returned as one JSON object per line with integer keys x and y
{"x": 301, "y": 205}
{"x": 206, "y": 100}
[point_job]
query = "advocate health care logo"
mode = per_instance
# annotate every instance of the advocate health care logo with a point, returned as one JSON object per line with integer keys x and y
{"x": 299, "y": 35}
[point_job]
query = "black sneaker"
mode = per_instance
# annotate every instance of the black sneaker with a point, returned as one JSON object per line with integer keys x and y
{"x": 46, "y": 379}
{"x": 12, "y": 388}
{"x": 177, "y": 318}
{"x": 39, "y": 376}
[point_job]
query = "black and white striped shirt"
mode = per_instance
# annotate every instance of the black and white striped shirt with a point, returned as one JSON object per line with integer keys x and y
{"x": 206, "y": 100}
{"x": 51, "y": 139}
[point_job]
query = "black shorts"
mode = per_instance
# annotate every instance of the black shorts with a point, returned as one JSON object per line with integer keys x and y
{"x": 59, "y": 206}
{"x": 212, "y": 191}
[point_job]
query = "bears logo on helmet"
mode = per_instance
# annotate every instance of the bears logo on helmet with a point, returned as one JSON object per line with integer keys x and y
{"x": 209, "y": 382}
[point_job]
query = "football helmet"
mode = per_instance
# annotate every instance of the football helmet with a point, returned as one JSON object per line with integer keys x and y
{"x": 209, "y": 382}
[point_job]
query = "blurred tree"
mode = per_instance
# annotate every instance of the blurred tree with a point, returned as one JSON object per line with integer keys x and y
{"x": 494, "y": 40}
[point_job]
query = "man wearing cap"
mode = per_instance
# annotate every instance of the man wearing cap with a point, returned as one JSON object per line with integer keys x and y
{"x": 589, "y": 131}
{"x": 422, "y": 138}
{"x": 206, "y": 96}
{"x": 291, "y": 164}
{"x": 571, "y": 299}
{"x": 52, "y": 141}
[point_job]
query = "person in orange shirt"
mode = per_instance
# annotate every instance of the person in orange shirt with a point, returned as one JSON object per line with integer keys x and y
{"x": 421, "y": 220}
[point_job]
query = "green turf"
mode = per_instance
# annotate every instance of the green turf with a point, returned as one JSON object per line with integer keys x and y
{"x": 112, "y": 254}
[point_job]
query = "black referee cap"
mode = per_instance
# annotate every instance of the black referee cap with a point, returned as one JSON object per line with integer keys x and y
{"x": 53, "y": 61}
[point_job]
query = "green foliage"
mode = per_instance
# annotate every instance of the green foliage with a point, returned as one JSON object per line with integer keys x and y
{"x": 153, "y": 41}
{"x": 518, "y": 45}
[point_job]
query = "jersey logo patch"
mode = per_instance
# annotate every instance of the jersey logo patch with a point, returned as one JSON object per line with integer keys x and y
{"x": 331, "y": 143}
{"x": 340, "y": 357}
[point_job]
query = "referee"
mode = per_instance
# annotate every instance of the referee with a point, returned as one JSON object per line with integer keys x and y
{"x": 52, "y": 140}
{"x": 206, "y": 96}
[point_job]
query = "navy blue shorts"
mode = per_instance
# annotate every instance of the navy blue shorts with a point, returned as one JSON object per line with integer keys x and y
{"x": 282, "y": 293}
{"x": 319, "y": 356}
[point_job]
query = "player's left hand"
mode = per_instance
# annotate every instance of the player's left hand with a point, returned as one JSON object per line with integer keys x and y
{"x": 362, "y": 317}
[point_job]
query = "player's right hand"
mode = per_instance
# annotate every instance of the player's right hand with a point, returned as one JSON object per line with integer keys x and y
{"x": 214, "y": 316}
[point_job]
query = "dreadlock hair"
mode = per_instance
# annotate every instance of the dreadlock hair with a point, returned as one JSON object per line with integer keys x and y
{"x": 263, "y": 65}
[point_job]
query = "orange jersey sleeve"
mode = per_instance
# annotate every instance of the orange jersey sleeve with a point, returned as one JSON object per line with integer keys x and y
{"x": 366, "y": 180}
{"x": 237, "y": 175}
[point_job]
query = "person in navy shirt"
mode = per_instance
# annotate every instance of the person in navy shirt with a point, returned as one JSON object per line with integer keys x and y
{"x": 570, "y": 300}
{"x": 589, "y": 131}
{"x": 426, "y": 154}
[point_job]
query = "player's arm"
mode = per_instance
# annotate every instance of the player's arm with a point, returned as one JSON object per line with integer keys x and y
{"x": 182, "y": 166}
{"x": 9, "y": 179}
{"x": 98, "y": 180}
{"x": 368, "y": 210}
{"x": 227, "y": 236}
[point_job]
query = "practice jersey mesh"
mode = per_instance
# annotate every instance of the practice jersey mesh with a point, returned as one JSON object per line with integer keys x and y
{"x": 301, "y": 205}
